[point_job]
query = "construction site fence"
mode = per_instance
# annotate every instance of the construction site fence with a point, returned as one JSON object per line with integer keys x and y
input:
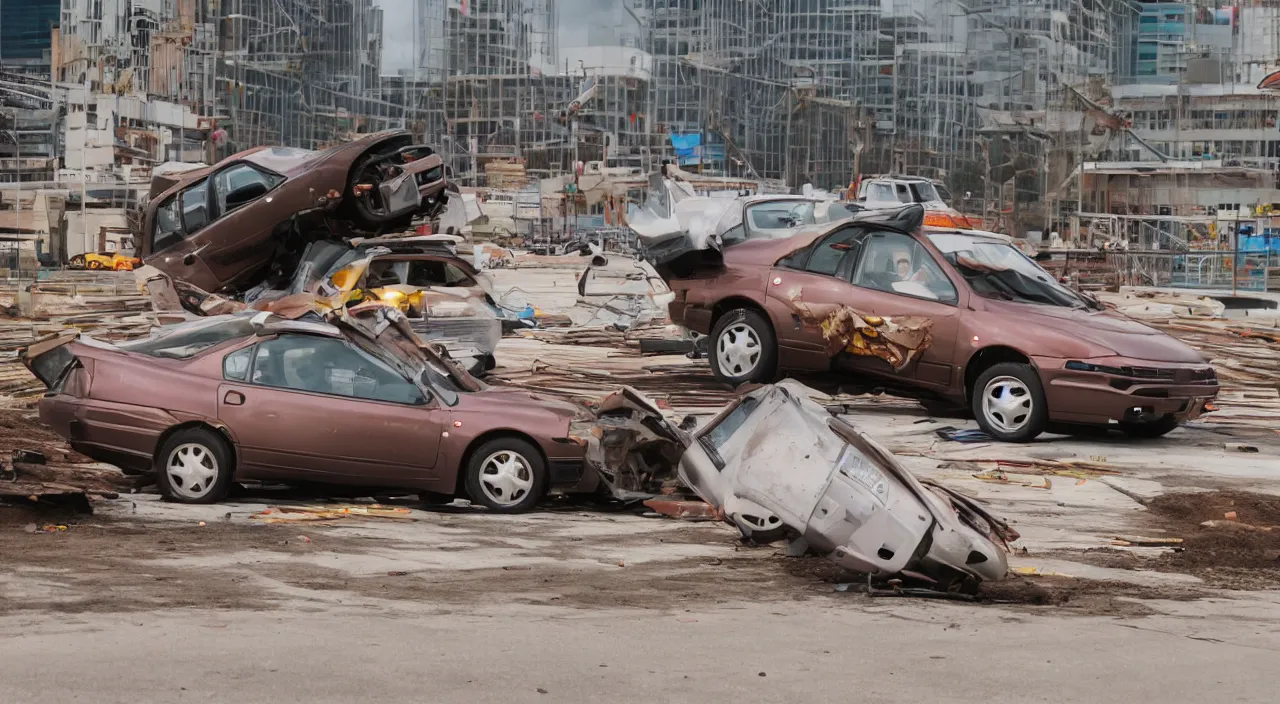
{"x": 1223, "y": 271}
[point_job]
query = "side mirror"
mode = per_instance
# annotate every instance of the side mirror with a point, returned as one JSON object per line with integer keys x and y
{"x": 189, "y": 260}
{"x": 688, "y": 423}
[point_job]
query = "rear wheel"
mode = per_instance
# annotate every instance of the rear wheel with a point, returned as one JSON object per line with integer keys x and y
{"x": 743, "y": 348}
{"x": 1154, "y": 429}
{"x": 507, "y": 475}
{"x": 194, "y": 466}
{"x": 95, "y": 264}
{"x": 368, "y": 207}
{"x": 1008, "y": 401}
{"x": 76, "y": 262}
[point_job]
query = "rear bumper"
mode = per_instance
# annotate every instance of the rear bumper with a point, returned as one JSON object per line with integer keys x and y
{"x": 1098, "y": 391}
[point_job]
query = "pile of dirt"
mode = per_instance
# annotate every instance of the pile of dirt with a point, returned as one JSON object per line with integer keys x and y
{"x": 1084, "y": 596}
{"x": 1230, "y": 538}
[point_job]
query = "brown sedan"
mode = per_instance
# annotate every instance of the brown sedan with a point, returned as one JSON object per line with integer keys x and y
{"x": 258, "y": 397}
{"x": 992, "y": 329}
{"x": 221, "y": 227}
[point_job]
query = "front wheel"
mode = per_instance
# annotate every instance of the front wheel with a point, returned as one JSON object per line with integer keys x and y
{"x": 1155, "y": 429}
{"x": 1009, "y": 403}
{"x": 507, "y": 475}
{"x": 194, "y": 466}
{"x": 743, "y": 348}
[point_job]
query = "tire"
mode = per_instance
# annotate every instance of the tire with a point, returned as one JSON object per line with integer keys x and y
{"x": 95, "y": 264}
{"x": 1152, "y": 430}
{"x": 743, "y": 348}
{"x": 506, "y": 475}
{"x": 76, "y": 262}
{"x": 194, "y": 466}
{"x": 1008, "y": 401}
{"x": 358, "y": 207}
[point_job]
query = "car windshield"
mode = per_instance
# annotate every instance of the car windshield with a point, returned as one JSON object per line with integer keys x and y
{"x": 923, "y": 192}
{"x": 995, "y": 269}
{"x": 943, "y": 193}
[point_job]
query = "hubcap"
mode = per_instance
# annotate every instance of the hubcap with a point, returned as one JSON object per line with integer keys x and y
{"x": 506, "y": 478}
{"x": 1007, "y": 404}
{"x": 192, "y": 470}
{"x": 738, "y": 350}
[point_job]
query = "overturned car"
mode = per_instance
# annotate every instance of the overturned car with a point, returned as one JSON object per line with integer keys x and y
{"x": 228, "y": 227}
{"x": 776, "y": 463}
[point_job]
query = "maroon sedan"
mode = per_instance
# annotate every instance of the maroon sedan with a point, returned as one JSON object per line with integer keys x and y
{"x": 956, "y": 315}
{"x": 258, "y": 397}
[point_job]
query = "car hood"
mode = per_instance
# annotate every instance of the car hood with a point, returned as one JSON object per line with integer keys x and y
{"x": 1107, "y": 329}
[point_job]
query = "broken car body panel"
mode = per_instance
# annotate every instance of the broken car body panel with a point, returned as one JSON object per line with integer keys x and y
{"x": 776, "y": 456}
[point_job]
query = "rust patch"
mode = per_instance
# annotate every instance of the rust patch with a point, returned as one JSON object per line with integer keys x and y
{"x": 898, "y": 341}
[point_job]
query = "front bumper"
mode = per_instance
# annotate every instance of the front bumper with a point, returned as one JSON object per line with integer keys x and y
{"x": 1098, "y": 391}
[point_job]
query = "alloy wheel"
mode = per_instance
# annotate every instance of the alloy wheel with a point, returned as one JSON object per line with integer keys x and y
{"x": 192, "y": 470}
{"x": 1007, "y": 404}
{"x": 506, "y": 478}
{"x": 738, "y": 350}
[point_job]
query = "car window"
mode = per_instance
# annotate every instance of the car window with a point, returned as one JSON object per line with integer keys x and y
{"x": 195, "y": 207}
{"x": 896, "y": 263}
{"x": 904, "y": 196}
{"x": 780, "y": 215}
{"x": 324, "y": 365}
{"x": 436, "y": 273}
{"x": 836, "y": 248}
{"x": 880, "y": 192}
{"x": 168, "y": 225}
{"x": 240, "y": 185}
{"x": 235, "y": 366}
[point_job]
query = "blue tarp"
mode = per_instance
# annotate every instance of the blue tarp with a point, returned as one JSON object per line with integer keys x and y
{"x": 688, "y": 148}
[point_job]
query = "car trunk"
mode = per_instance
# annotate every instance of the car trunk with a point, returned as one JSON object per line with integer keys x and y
{"x": 50, "y": 358}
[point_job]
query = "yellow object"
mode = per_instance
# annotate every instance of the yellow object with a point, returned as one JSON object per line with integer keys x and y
{"x": 345, "y": 278}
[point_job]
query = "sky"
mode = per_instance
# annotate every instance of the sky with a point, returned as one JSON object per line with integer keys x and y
{"x": 576, "y": 17}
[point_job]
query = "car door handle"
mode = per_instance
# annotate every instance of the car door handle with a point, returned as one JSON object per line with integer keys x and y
{"x": 233, "y": 398}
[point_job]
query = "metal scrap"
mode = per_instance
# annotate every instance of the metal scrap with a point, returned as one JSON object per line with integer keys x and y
{"x": 897, "y": 341}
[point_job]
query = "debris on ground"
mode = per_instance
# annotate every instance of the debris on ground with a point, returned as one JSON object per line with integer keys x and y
{"x": 966, "y": 435}
{"x": 296, "y": 514}
{"x": 30, "y": 476}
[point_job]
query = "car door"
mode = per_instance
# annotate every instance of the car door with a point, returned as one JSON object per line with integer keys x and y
{"x": 316, "y": 408}
{"x": 804, "y": 289}
{"x": 239, "y": 238}
{"x": 896, "y": 277}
